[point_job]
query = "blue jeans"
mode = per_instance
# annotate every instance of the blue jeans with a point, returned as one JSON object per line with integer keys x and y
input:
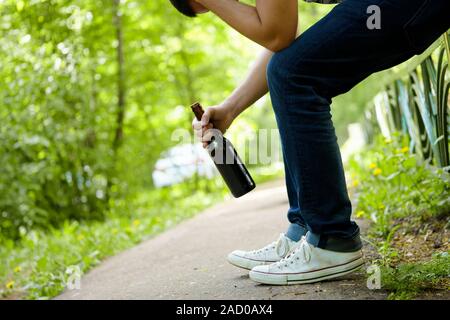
{"x": 325, "y": 61}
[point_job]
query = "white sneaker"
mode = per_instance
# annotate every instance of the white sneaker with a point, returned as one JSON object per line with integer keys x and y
{"x": 308, "y": 264}
{"x": 269, "y": 254}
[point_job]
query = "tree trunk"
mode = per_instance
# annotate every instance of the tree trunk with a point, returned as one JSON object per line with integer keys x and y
{"x": 121, "y": 100}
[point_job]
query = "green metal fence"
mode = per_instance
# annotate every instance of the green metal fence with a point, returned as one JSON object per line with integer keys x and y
{"x": 415, "y": 100}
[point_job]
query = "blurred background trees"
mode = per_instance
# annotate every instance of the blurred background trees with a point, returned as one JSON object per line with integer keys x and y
{"x": 91, "y": 92}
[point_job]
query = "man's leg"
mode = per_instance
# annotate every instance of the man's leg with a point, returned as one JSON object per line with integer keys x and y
{"x": 297, "y": 228}
{"x": 278, "y": 249}
{"x": 327, "y": 60}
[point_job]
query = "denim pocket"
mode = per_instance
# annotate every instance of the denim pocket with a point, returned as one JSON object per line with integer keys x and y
{"x": 426, "y": 25}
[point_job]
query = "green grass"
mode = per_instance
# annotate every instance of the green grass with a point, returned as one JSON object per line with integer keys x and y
{"x": 393, "y": 185}
{"x": 409, "y": 279}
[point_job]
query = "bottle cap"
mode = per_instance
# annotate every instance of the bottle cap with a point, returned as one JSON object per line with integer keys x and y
{"x": 198, "y": 111}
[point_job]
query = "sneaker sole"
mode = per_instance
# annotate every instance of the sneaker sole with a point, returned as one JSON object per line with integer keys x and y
{"x": 309, "y": 277}
{"x": 245, "y": 263}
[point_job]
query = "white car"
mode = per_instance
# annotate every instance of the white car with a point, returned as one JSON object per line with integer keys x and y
{"x": 181, "y": 163}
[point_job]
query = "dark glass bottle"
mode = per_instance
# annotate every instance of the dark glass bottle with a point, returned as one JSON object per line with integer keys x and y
{"x": 227, "y": 161}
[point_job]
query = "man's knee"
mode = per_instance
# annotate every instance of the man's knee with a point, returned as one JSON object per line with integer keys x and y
{"x": 279, "y": 67}
{"x": 290, "y": 78}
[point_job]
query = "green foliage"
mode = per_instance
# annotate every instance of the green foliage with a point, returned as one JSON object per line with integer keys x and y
{"x": 406, "y": 281}
{"x": 58, "y": 101}
{"x": 50, "y": 166}
{"x": 393, "y": 183}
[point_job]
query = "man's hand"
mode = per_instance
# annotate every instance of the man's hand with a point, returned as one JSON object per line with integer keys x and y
{"x": 218, "y": 117}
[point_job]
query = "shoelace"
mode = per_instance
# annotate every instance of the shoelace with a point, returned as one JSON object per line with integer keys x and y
{"x": 281, "y": 246}
{"x": 301, "y": 251}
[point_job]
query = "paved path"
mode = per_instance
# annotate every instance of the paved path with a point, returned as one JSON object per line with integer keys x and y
{"x": 188, "y": 261}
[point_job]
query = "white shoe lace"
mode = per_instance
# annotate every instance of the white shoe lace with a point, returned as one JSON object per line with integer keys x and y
{"x": 302, "y": 251}
{"x": 281, "y": 246}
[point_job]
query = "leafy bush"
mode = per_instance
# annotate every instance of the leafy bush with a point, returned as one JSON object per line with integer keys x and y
{"x": 392, "y": 183}
{"x": 52, "y": 166}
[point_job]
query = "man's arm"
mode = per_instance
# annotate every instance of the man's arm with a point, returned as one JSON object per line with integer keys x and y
{"x": 251, "y": 90}
{"x": 272, "y": 23}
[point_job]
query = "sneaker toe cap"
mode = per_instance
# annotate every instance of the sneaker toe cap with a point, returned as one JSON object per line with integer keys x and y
{"x": 238, "y": 258}
{"x": 264, "y": 274}
{"x": 261, "y": 269}
{"x": 238, "y": 253}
